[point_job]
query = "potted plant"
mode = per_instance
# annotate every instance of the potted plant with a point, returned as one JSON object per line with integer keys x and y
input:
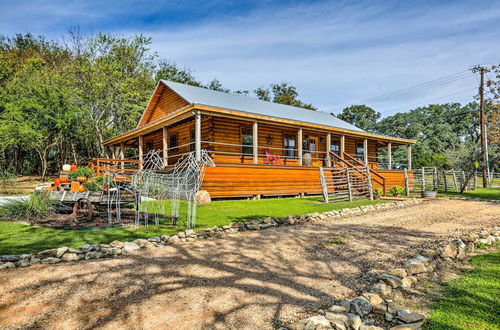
{"x": 396, "y": 191}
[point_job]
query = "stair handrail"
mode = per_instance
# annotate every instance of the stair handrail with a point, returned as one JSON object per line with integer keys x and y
{"x": 381, "y": 179}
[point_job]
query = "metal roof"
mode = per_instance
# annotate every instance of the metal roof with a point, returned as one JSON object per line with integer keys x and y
{"x": 208, "y": 97}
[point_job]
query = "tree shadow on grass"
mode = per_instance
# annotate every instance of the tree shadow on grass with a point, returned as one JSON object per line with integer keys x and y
{"x": 277, "y": 271}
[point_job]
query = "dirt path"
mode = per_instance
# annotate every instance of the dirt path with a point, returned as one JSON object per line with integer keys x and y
{"x": 249, "y": 280}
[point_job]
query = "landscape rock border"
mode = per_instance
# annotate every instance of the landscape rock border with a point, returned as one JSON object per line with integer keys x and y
{"x": 116, "y": 248}
{"x": 377, "y": 303}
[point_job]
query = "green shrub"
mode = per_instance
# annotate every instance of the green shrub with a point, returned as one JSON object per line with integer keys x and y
{"x": 396, "y": 191}
{"x": 79, "y": 172}
{"x": 378, "y": 192}
{"x": 97, "y": 183}
{"x": 7, "y": 178}
{"x": 36, "y": 205}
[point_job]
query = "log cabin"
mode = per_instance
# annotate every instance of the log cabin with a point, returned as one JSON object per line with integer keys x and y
{"x": 260, "y": 148}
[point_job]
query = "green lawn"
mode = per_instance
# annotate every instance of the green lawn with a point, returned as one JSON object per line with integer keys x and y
{"x": 482, "y": 193}
{"x": 17, "y": 238}
{"x": 471, "y": 301}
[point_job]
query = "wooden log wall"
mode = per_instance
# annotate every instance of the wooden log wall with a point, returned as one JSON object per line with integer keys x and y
{"x": 242, "y": 180}
{"x": 165, "y": 101}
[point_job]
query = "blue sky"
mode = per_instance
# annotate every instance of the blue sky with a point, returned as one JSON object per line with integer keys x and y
{"x": 336, "y": 52}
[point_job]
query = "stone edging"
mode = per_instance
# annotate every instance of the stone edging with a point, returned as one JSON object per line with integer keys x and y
{"x": 361, "y": 312}
{"x": 116, "y": 248}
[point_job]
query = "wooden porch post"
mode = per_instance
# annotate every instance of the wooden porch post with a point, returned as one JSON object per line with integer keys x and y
{"x": 389, "y": 155}
{"x": 299, "y": 145}
{"x": 342, "y": 146}
{"x": 122, "y": 154}
{"x": 141, "y": 151}
{"x": 165, "y": 146}
{"x": 255, "y": 142}
{"x": 365, "y": 150}
{"x": 197, "y": 135}
{"x": 328, "y": 147}
{"x": 409, "y": 157}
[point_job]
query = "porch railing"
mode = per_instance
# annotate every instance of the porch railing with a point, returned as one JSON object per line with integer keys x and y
{"x": 103, "y": 165}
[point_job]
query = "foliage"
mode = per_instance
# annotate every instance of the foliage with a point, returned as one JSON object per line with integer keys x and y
{"x": 470, "y": 301}
{"x": 7, "y": 178}
{"x": 97, "y": 183}
{"x": 464, "y": 158}
{"x": 17, "y": 238}
{"x": 396, "y": 191}
{"x": 80, "y": 172}
{"x": 283, "y": 93}
{"x": 378, "y": 192}
{"x": 360, "y": 116}
{"x": 36, "y": 205}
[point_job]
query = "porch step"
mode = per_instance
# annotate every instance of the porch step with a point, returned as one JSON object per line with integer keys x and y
{"x": 345, "y": 183}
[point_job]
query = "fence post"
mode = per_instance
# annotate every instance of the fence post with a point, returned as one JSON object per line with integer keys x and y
{"x": 464, "y": 181}
{"x": 445, "y": 182}
{"x": 349, "y": 191}
{"x": 435, "y": 178}
{"x": 475, "y": 180}
{"x": 407, "y": 184}
{"x": 454, "y": 179}
{"x": 369, "y": 178}
{"x": 423, "y": 179}
{"x": 323, "y": 184}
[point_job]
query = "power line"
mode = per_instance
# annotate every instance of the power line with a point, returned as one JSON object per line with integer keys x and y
{"x": 429, "y": 100}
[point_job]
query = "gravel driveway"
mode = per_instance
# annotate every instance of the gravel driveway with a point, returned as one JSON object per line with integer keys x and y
{"x": 250, "y": 280}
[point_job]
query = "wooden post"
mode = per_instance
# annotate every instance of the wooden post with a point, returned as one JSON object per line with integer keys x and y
{"x": 445, "y": 181}
{"x": 365, "y": 150}
{"x": 435, "y": 178}
{"x": 122, "y": 154}
{"x": 165, "y": 146}
{"x": 369, "y": 179}
{"x": 389, "y": 155}
{"x": 464, "y": 181}
{"x": 409, "y": 157}
{"x": 349, "y": 189}
{"x": 141, "y": 151}
{"x": 255, "y": 142}
{"x": 454, "y": 179}
{"x": 407, "y": 183}
{"x": 197, "y": 135}
{"x": 423, "y": 179}
{"x": 475, "y": 180}
{"x": 299, "y": 145}
{"x": 328, "y": 147}
{"x": 323, "y": 184}
{"x": 342, "y": 146}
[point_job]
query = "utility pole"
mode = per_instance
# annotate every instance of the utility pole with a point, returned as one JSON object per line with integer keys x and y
{"x": 482, "y": 123}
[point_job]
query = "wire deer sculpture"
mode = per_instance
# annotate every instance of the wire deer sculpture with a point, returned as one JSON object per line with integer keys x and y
{"x": 180, "y": 183}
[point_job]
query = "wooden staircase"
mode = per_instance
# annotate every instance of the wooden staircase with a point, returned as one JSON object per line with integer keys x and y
{"x": 348, "y": 180}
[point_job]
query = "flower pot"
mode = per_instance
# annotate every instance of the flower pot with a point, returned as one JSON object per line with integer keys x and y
{"x": 429, "y": 194}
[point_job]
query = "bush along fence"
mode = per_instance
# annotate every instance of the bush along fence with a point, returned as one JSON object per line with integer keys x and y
{"x": 116, "y": 248}
{"x": 377, "y": 304}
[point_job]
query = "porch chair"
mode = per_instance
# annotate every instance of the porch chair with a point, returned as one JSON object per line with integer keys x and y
{"x": 271, "y": 159}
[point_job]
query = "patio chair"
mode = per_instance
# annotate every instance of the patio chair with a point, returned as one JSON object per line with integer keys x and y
{"x": 271, "y": 159}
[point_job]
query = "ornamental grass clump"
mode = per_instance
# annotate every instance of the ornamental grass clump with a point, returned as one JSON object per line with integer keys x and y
{"x": 36, "y": 205}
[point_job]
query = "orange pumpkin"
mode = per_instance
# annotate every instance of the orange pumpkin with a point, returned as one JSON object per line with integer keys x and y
{"x": 73, "y": 167}
{"x": 81, "y": 179}
{"x": 57, "y": 182}
{"x": 63, "y": 179}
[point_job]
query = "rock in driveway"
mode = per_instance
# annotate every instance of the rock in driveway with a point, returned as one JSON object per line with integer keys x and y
{"x": 130, "y": 246}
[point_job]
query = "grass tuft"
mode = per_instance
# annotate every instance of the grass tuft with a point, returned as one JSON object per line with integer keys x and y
{"x": 36, "y": 205}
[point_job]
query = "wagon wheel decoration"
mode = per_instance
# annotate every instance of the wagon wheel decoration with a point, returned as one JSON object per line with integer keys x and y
{"x": 83, "y": 209}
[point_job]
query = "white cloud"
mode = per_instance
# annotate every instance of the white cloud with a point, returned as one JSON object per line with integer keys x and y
{"x": 334, "y": 52}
